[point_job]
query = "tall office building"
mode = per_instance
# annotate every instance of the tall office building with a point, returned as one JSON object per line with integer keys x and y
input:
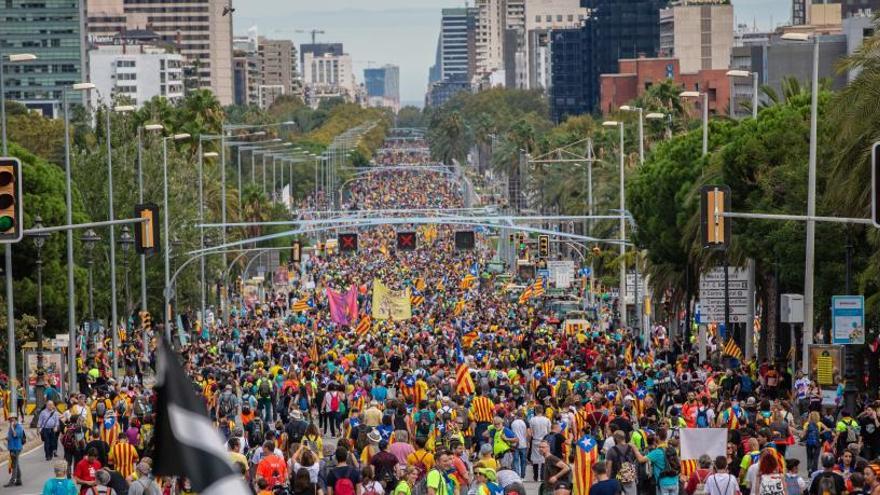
{"x": 541, "y": 18}
{"x": 277, "y": 71}
{"x": 457, "y": 43}
{"x": 614, "y": 30}
{"x": 383, "y": 86}
{"x": 698, "y": 33}
{"x": 197, "y": 28}
{"x": 489, "y": 36}
{"x": 49, "y": 29}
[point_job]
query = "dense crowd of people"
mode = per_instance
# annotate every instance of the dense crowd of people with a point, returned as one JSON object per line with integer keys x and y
{"x": 481, "y": 391}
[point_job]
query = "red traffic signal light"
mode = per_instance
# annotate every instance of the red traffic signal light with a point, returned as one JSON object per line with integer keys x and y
{"x": 348, "y": 243}
{"x": 406, "y": 241}
{"x": 11, "y": 213}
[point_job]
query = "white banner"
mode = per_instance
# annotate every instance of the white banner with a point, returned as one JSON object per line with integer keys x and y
{"x": 698, "y": 441}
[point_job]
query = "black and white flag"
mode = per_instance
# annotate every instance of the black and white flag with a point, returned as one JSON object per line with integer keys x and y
{"x": 187, "y": 444}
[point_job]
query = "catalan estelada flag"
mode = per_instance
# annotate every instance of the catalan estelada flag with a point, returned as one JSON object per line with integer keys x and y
{"x": 420, "y": 284}
{"x": 628, "y": 355}
{"x": 416, "y": 300}
{"x": 731, "y": 348}
{"x": 585, "y": 454}
{"x": 364, "y": 325}
{"x": 464, "y": 383}
{"x": 302, "y": 305}
{"x": 526, "y": 295}
{"x": 538, "y": 288}
{"x": 467, "y": 282}
{"x": 547, "y": 367}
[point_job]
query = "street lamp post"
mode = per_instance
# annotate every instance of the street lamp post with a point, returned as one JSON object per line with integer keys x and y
{"x": 809, "y": 266}
{"x": 90, "y": 238}
{"x": 39, "y": 239}
{"x": 641, "y": 111}
{"x": 68, "y": 203}
{"x": 126, "y": 241}
{"x": 202, "y": 286}
{"x": 10, "y": 309}
{"x": 166, "y": 213}
{"x": 705, "y": 102}
{"x": 114, "y": 316}
{"x": 140, "y": 167}
{"x": 754, "y": 76}
{"x": 622, "y": 300}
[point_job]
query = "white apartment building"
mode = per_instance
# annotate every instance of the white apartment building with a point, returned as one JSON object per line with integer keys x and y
{"x": 489, "y": 36}
{"x": 138, "y": 72}
{"x": 328, "y": 75}
{"x": 197, "y": 28}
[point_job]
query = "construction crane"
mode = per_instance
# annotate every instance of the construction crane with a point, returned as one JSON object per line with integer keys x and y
{"x": 313, "y": 32}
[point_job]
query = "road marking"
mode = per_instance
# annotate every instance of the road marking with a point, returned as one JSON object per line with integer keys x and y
{"x": 22, "y": 455}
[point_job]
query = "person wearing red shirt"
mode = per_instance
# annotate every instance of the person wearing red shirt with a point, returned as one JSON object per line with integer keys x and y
{"x": 84, "y": 473}
{"x": 272, "y": 467}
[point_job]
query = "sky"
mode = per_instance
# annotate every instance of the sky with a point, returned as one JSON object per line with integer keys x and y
{"x": 402, "y": 32}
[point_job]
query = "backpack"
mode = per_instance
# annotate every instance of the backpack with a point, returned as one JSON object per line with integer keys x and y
{"x": 827, "y": 485}
{"x": 100, "y": 408}
{"x": 68, "y": 439}
{"x": 626, "y": 470}
{"x": 257, "y": 430}
{"x": 265, "y": 389}
{"x": 562, "y": 389}
{"x": 421, "y": 469}
{"x": 361, "y": 439}
{"x": 227, "y": 404}
{"x": 702, "y": 418}
{"x": 423, "y": 428}
{"x": 812, "y": 436}
{"x": 371, "y": 490}
{"x": 673, "y": 465}
{"x": 120, "y": 408}
{"x": 701, "y": 484}
{"x": 852, "y": 431}
{"x": 791, "y": 485}
{"x": 146, "y": 434}
{"x": 334, "y": 401}
{"x": 343, "y": 486}
{"x": 140, "y": 408}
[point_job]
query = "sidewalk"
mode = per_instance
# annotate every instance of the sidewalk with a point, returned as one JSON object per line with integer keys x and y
{"x": 32, "y": 434}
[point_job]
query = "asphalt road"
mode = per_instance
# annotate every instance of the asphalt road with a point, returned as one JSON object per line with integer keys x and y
{"x": 36, "y": 470}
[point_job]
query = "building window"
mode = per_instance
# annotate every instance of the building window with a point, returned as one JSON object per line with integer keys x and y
{"x": 570, "y": 17}
{"x": 548, "y": 18}
{"x": 538, "y": 19}
{"x": 559, "y": 18}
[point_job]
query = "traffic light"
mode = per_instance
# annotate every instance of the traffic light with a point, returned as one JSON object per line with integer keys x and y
{"x": 406, "y": 241}
{"x": 11, "y": 196}
{"x": 464, "y": 240}
{"x": 348, "y": 243}
{"x": 295, "y": 252}
{"x": 146, "y": 234}
{"x": 715, "y": 229}
{"x": 544, "y": 246}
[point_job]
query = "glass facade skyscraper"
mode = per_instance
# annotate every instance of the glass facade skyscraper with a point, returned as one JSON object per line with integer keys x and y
{"x": 49, "y": 29}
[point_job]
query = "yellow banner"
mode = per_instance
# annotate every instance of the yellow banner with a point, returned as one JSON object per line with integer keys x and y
{"x": 390, "y": 304}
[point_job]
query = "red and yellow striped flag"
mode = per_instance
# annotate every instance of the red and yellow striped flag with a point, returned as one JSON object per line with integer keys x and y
{"x": 467, "y": 282}
{"x": 731, "y": 348}
{"x": 547, "y": 367}
{"x": 467, "y": 340}
{"x": 420, "y": 284}
{"x": 459, "y": 307}
{"x": 363, "y": 326}
{"x": 538, "y": 288}
{"x": 313, "y": 351}
{"x": 301, "y": 306}
{"x": 416, "y": 300}
{"x": 464, "y": 383}
{"x": 585, "y": 454}
{"x": 526, "y": 295}
{"x": 628, "y": 354}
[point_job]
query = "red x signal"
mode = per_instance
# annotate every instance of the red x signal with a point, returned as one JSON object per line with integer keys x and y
{"x": 348, "y": 242}
{"x": 406, "y": 241}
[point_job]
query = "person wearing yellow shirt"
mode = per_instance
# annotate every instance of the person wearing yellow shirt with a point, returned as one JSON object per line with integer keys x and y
{"x": 421, "y": 459}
